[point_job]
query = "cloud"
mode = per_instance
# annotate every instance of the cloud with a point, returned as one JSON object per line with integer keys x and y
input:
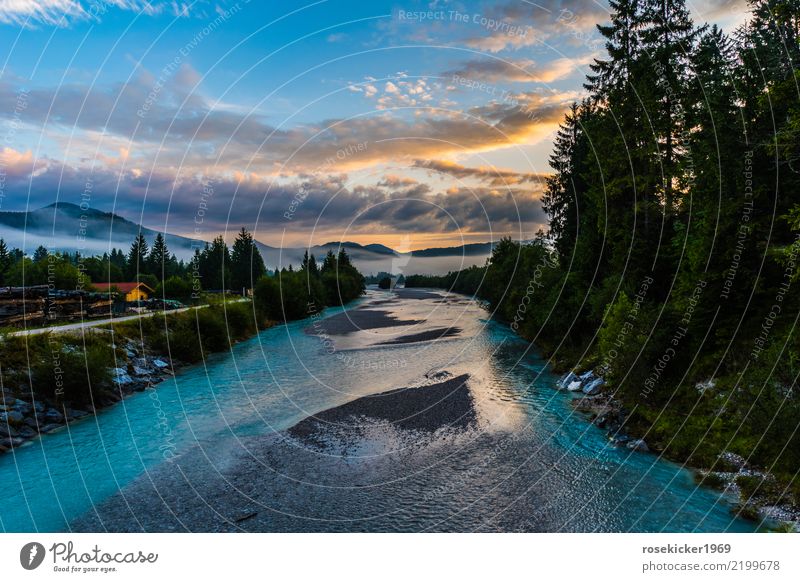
{"x": 16, "y": 163}
{"x": 29, "y": 13}
{"x": 393, "y": 181}
{"x": 522, "y": 70}
{"x": 498, "y": 41}
{"x": 539, "y": 21}
{"x": 180, "y": 129}
{"x": 714, "y": 9}
{"x": 329, "y": 203}
{"x": 398, "y": 92}
{"x": 491, "y": 175}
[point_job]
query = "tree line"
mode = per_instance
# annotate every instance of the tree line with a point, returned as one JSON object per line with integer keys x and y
{"x": 671, "y": 259}
{"x": 215, "y": 266}
{"x": 296, "y": 294}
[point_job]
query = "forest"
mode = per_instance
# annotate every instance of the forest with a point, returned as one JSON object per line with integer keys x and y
{"x": 670, "y": 261}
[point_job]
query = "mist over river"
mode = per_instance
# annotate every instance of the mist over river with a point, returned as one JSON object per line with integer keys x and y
{"x": 303, "y": 428}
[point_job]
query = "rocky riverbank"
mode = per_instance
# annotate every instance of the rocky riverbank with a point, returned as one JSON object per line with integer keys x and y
{"x": 24, "y": 416}
{"x": 755, "y": 492}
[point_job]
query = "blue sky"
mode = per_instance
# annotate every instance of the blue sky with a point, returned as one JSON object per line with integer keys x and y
{"x": 413, "y": 123}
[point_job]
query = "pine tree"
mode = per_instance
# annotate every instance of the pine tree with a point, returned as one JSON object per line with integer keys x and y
{"x": 329, "y": 262}
{"x": 137, "y": 258}
{"x": 214, "y": 264}
{"x": 564, "y": 196}
{"x": 613, "y": 75}
{"x": 343, "y": 259}
{"x": 247, "y": 265}
{"x": 313, "y": 269}
{"x": 118, "y": 259}
{"x": 5, "y": 261}
{"x": 158, "y": 259}
{"x": 40, "y": 254}
{"x": 669, "y": 39}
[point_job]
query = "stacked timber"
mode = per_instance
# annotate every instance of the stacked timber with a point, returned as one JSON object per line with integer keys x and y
{"x": 37, "y": 305}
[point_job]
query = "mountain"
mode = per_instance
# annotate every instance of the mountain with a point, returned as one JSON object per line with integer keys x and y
{"x": 68, "y": 228}
{"x": 378, "y": 248}
{"x": 469, "y": 250}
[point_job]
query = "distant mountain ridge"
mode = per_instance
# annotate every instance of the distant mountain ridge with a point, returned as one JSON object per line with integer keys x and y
{"x": 61, "y": 226}
{"x": 67, "y": 227}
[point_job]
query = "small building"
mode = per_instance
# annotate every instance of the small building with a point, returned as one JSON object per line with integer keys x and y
{"x": 133, "y": 291}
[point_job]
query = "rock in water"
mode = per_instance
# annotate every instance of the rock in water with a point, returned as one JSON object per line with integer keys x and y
{"x": 567, "y": 380}
{"x": 574, "y": 386}
{"x": 593, "y": 387}
{"x": 638, "y": 445}
{"x": 121, "y": 377}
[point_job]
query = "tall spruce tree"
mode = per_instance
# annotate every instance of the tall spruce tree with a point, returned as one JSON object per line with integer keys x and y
{"x": 158, "y": 259}
{"x": 247, "y": 265}
{"x": 137, "y": 258}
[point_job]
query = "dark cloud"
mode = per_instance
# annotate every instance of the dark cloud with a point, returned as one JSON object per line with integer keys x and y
{"x": 492, "y": 176}
{"x": 204, "y": 207}
{"x": 523, "y": 70}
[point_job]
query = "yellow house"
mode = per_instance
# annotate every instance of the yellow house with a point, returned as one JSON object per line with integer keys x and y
{"x": 133, "y": 291}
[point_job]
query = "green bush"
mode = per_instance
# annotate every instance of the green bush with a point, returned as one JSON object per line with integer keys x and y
{"x": 71, "y": 369}
{"x": 241, "y": 320}
{"x": 174, "y": 288}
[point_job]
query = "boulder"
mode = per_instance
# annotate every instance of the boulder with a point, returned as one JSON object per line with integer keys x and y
{"x": 77, "y": 413}
{"x": 574, "y": 386}
{"x": 567, "y": 380}
{"x": 39, "y": 406}
{"x": 160, "y": 364}
{"x": 586, "y": 376}
{"x": 638, "y": 445}
{"x": 49, "y": 427}
{"x": 7, "y": 431}
{"x": 53, "y": 416}
{"x": 11, "y": 417}
{"x": 31, "y": 422}
{"x": 26, "y": 432}
{"x": 11, "y": 442}
{"x": 594, "y": 386}
{"x": 120, "y": 376}
{"x": 21, "y": 406}
{"x": 137, "y": 371}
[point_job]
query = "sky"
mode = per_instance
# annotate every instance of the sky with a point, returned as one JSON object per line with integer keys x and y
{"x": 411, "y": 124}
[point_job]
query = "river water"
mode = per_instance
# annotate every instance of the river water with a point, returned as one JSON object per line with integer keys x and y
{"x": 531, "y": 464}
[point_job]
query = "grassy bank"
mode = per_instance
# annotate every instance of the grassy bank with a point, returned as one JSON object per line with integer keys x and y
{"x": 76, "y": 370}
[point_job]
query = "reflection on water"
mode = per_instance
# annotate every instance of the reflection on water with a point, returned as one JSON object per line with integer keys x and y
{"x": 531, "y": 464}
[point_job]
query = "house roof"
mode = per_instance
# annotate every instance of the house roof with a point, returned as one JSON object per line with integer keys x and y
{"x": 123, "y": 287}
